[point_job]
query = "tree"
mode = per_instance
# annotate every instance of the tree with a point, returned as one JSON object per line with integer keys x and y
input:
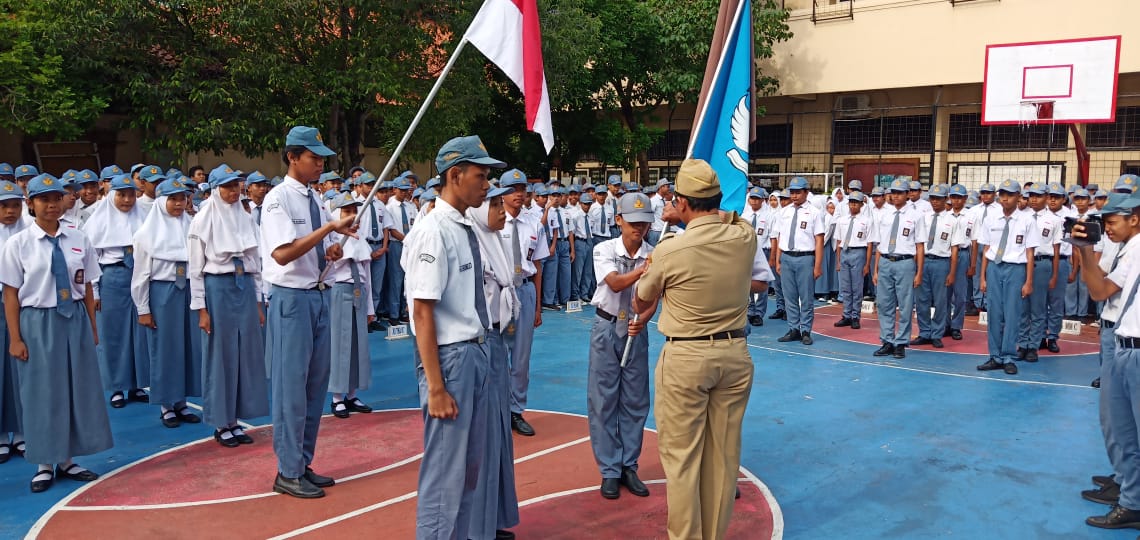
{"x": 36, "y": 94}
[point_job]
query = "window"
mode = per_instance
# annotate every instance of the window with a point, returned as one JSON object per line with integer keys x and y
{"x": 1124, "y": 133}
{"x": 886, "y": 135}
{"x": 967, "y": 134}
{"x": 1130, "y": 167}
{"x": 772, "y": 141}
{"x": 672, "y": 145}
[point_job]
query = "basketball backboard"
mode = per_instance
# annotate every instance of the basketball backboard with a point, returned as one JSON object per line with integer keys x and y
{"x": 1063, "y": 81}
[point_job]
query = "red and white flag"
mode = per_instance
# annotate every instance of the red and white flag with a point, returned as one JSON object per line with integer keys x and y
{"x": 507, "y": 33}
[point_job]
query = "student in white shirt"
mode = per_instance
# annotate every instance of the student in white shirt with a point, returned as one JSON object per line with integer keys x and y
{"x": 403, "y": 213}
{"x": 584, "y": 281}
{"x": 799, "y": 259}
{"x": 12, "y": 221}
{"x": 124, "y": 357}
{"x": 224, "y": 268}
{"x": 49, "y": 307}
{"x": 897, "y": 270}
{"x": 662, "y": 195}
{"x": 375, "y": 226}
{"x": 450, "y": 320}
{"x": 1046, "y": 273}
{"x": 1009, "y": 245}
{"x": 960, "y": 291}
{"x": 295, "y": 252}
{"x": 986, "y": 207}
{"x": 759, "y": 215}
{"x": 1055, "y": 298}
{"x": 150, "y": 176}
{"x": 617, "y": 398}
{"x": 853, "y": 258}
{"x": 161, "y": 296}
{"x": 1077, "y": 293}
{"x": 939, "y": 269}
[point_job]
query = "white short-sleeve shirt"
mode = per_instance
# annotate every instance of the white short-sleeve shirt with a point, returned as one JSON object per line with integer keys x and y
{"x": 808, "y": 224}
{"x": 943, "y": 234}
{"x": 1125, "y": 277}
{"x": 606, "y": 261}
{"x": 861, "y": 229}
{"x": 1048, "y": 230}
{"x": 1021, "y": 237}
{"x": 286, "y": 218}
{"x": 911, "y": 230}
{"x": 439, "y": 265}
{"x": 532, "y": 246}
{"x": 25, "y": 263}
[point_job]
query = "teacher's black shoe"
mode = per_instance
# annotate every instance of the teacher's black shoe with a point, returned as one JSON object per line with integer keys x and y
{"x": 634, "y": 484}
{"x": 75, "y": 472}
{"x": 318, "y": 480}
{"x": 42, "y": 481}
{"x": 300, "y": 488}
{"x": 610, "y": 488}
{"x": 521, "y": 426}
{"x": 792, "y": 335}
{"x": 1117, "y": 518}
{"x": 886, "y": 350}
{"x": 118, "y": 400}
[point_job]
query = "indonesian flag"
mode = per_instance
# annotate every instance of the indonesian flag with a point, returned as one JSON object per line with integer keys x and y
{"x": 507, "y": 33}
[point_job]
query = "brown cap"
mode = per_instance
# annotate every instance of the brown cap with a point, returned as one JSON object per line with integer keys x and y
{"x": 696, "y": 179}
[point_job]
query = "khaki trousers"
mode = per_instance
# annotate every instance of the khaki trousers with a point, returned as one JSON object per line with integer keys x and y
{"x": 702, "y": 391}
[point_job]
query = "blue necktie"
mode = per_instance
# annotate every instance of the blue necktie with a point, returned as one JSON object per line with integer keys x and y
{"x": 375, "y": 223}
{"x": 561, "y": 224}
{"x": 315, "y": 221}
{"x": 257, "y": 215}
{"x": 480, "y": 300}
{"x": 64, "y": 303}
{"x": 404, "y": 216}
{"x": 129, "y": 256}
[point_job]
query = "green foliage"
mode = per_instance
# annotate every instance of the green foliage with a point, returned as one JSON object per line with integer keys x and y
{"x": 36, "y": 94}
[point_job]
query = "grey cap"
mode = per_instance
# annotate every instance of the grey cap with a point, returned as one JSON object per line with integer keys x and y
{"x": 635, "y": 208}
{"x": 855, "y": 184}
{"x": 857, "y": 197}
{"x": 468, "y": 149}
{"x": 342, "y": 200}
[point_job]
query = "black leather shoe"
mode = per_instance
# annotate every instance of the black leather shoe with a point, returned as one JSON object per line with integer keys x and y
{"x": 634, "y": 484}
{"x": 392, "y": 321}
{"x": 187, "y": 417}
{"x": 118, "y": 400}
{"x": 1109, "y": 495}
{"x": 1010, "y": 368}
{"x": 1117, "y": 518}
{"x": 1021, "y": 353}
{"x": 1051, "y": 346}
{"x": 550, "y": 307}
{"x": 971, "y": 311}
{"x": 805, "y": 338}
{"x": 231, "y": 442}
{"x": 19, "y": 448}
{"x": 610, "y": 488}
{"x": 376, "y": 326}
{"x": 1044, "y": 343}
{"x": 521, "y": 426}
{"x": 1095, "y": 383}
{"x": 842, "y": 322}
{"x": 138, "y": 395}
{"x": 40, "y": 486}
{"x": 1101, "y": 481}
{"x": 920, "y": 341}
{"x": 779, "y": 314}
{"x": 170, "y": 419}
{"x": 357, "y": 406}
{"x": 339, "y": 409}
{"x": 900, "y": 351}
{"x": 301, "y": 487}
{"x": 937, "y": 343}
{"x": 1030, "y": 355}
{"x": 990, "y": 365}
{"x": 755, "y": 320}
{"x": 955, "y": 334}
{"x": 318, "y": 480}
{"x": 855, "y": 324}
{"x": 886, "y": 350}
{"x": 80, "y": 474}
{"x": 792, "y": 335}
{"x": 501, "y": 534}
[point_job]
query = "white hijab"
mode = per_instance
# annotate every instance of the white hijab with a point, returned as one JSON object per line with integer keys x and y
{"x": 497, "y": 272}
{"x": 163, "y": 235}
{"x": 109, "y": 227}
{"x": 225, "y": 229}
{"x": 357, "y": 248}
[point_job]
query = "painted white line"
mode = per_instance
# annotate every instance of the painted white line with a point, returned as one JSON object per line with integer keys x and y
{"x": 777, "y": 513}
{"x": 244, "y": 425}
{"x": 551, "y": 450}
{"x": 342, "y": 517}
{"x": 127, "y": 507}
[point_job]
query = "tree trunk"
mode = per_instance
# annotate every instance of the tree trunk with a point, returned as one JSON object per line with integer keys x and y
{"x": 334, "y": 134}
{"x": 641, "y": 163}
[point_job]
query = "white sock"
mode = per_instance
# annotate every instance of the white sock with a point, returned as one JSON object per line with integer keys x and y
{"x": 226, "y": 434}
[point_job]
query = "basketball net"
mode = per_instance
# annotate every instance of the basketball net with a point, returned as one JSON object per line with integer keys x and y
{"x": 1034, "y": 111}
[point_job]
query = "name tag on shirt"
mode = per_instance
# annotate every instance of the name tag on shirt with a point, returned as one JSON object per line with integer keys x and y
{"x": 945, "y": 236}
{"x": 906, "y": 232}
{"x": 300, "y": 222}
{"x": 465, "y": 267}
{"x": 803, "y": 225}
{"x": 859, "y": 235}
{"x": 1019, "y": 239}
{"x": 1044, "y": 233}
{"x": 79, "y": 277}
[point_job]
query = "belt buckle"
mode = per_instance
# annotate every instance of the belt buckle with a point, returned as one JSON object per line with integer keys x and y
{"x": 321, "y": 286}
{"x": 481, "y": 339}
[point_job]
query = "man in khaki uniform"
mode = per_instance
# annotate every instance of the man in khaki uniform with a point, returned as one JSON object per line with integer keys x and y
{"x": 704, "y": 375}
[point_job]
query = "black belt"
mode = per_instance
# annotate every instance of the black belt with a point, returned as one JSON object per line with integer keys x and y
{"x": 855, "y": 248}
{"x": 380, "y": 241}
{"x": 120, "y": 263}
{"x": 1128, "y": 342}
{"x": 731, "y": 334}
{"x": 1042, "y": 257}
{"x": 605, "y": 315}
{"x": 319, "y": 287}
{"x": 600, "y": 237}
{"x": 937, "y": 257}
{"x": 563, "y": 239}
{"x": 897, "y": 258}
{"x": 1063, "y": 257}
{"x": 476, "y": 340}
{"x": 1105, "y": 323}
{"x": 527, "y": 280}
{"x": 798, "y": 253}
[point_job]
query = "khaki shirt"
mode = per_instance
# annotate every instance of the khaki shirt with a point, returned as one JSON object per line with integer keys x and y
{"x": 704, "y": 276}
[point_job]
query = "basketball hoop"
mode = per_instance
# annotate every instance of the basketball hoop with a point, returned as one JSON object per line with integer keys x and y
{"x": 1033, "y": 111}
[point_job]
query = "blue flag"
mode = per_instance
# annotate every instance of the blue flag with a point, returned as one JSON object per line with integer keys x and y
{"x": 723, "y": 128}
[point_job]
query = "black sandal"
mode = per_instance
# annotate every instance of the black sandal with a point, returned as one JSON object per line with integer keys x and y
{"x": 240, "y": 435}
{"x": 231, "y": 442}
{"x": 170, "y": 419}
{"x": 5, "y": 456}
{"x": 357, "y": 406}
{"x": 139, "y": 395}
{"x": 339, "y": 409}
{"x": 42, "y": 485}
{"x": 20, "y": 447}
{"x": 187, "y": 417}
{"x": 83, "y": 475}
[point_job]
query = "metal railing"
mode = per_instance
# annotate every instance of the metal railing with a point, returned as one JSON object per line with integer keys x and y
{"x": 832, "y": 10}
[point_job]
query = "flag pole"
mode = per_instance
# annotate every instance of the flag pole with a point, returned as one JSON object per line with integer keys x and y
{"x": 404, "y": 141}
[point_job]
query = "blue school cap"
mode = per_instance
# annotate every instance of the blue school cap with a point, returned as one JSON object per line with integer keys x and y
{"x": 635, "y": 208}
{"x": 366, "y": 178}
{"x": 86, "y": 176}
{"x": 855, "y": 184}
{"x": 6, "y": 169}
{"x": 511, "y": 178}
{"x": 434, "y": 182}
{"x": 1009, "y": 186}
{"x": 122, "y": 181}
{"x": 44, "y": 183}
{"x": 110, "y": 172}
{"x": 467, "y": 149}
{"x": 1055, "y": 189}
{"x": 1120, "y": 203}
{"x": 899, "y": 186}
{"x": 1092, "y": 187}
{"x": 915, "y": 185}
{"x": 1035, "y": 189}
{"x": 330, "y": 176}
{"x": 614, "y": 180}
{"x": 987, "y": 188}
{"x": 1126, "y": 182}
{"x": 27, "y": 170}
{"x": 939, "y": 190}
{"x": 1081, "y": 192}
{"x": 222, "y": 175}
{"x": 171, "y": 186}
{"x": 798, "y": 182}
{"x": 958, "y": 190}
{"x": 493, "y": 192}
{"x": 256, "y": 177}
{"x": 341, "y": 200}
{"x": 540, "y": 190}
{"x": 310, "y": 138}
{"x": 330, "y": 195}
{"x": 756, "y": 193}
{"x": 151, "y": 173}
{"x": 9, "y": 191}
{"x": 586, "y": 198}
{"x": 878, "y": 190}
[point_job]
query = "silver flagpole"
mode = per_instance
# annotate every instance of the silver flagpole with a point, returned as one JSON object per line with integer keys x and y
{"x": 628, "y": 344}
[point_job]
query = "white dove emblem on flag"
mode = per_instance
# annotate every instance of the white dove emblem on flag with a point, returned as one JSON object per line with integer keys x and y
{"x": 738, "y": 155}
